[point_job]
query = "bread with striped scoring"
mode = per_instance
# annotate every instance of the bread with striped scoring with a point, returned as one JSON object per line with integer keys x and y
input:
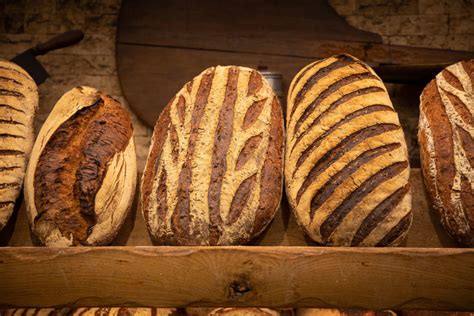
{"x": 213, "y": 175}
{"x": 346, "y": 165}
{"x": 18, "y": 105}
{"x": 445, "y": 134}
{"x": 81, "y": 177}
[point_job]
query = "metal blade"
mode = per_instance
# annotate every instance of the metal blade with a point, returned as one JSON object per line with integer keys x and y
{"x": 28, "y": 62}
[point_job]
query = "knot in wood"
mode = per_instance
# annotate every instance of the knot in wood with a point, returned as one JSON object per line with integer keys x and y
{"x": 239, "y": 288}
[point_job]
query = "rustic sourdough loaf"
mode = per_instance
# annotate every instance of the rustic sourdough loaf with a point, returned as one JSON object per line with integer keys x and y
{"x": 243, "y": 311}
{"x": 18, "y": 105}
{"x": 81, "y": 177}
{"x": 214, "y": 171}
{"x": 446, "y": 131}
{"x": 346, "y": 168}
{"x": 123, "y": 311}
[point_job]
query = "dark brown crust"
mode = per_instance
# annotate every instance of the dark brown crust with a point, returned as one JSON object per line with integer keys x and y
{"x": 328, "y": 188}
{"x": 7, "y": 106}
{"x": 11, "y": 152}
{"x": 452, "y": 80}
{"x": 240, "y": 198}
{"x": 367, "y": 110}
{"x": 330, "y": 90}
{"x": 10, "y": 93}
{"x": 443, "y": 144}
{"x": 396, "y": 231}
{"x": 4, "y": 204}
{"x": 334, "y": 105}
{"x": 336, "y": 217}
{"x": 255, "y": 83}
{"x": 340, "y": 149}
{"x": 181, "y": 107}
{"x": 17, "y": 72}
{"x": 271, "y": 176}
{"x": 222, "y": 141}
{"x": 180, "y": 218}
{"x": 8, "y": 135}
{"x": 253, "y": 112}
{"x": 378, "y": 214}
{"x": 3, "y": 78}
{"x": 467, "y": 200}
{"x": 174, "y": 141}
{"x": 10, "y": 122}
{"x": 340, "y": 62}
{"x": 9, "y": 168}
{"x": 250, "y": 146}
{"x": 73, "y": 164}
{"x": 302, "y": 73}
{"x": 158, "y": 139}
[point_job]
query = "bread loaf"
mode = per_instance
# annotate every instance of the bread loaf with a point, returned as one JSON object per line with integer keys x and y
{"x": 124, "y": 311}
{"x": 214, "y": 171}
{"x": 81, "y": 177}
{"x": 346, "y": 167}
{"x": 446, "y": 131}
{"x": 243, "y": 311}
{"x": 18, "y": 105}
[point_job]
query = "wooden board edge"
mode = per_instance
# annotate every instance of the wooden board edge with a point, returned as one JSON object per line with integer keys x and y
{"x": 363, "y": 278}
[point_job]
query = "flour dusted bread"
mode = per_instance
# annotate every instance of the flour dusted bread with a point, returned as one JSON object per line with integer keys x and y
{"x": 446, "y": 131}
{"x": 81, "y": 177}
{"x": 244, "y": 311}
{"x": 123, "y": 311}
{"x": 18, "y": 105}
{"x": 346, "y": 167}
{"x": 214, "y": 172}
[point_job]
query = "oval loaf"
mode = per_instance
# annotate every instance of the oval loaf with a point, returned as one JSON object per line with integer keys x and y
{"x": 81, "y": 177}
{"x": 346, "y": 167}
{"x": 445, "y": 134}
{"x": 18, "y": 105}
{"x": 214, "y": 171}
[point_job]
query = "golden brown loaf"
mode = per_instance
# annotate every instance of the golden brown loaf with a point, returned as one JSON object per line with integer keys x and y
{"x": 81, "y": 177}
{"x": 346, "y": 168}
{"x": 214, "y": 172}
{"x": 243, "y": 311}
{"x": 123, "y": 311}
{"x": 18, "y": 105}
{"x": 446, "y": 131}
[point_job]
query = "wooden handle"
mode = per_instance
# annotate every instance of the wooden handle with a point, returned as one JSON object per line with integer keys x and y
{"x": 62, "y": 40}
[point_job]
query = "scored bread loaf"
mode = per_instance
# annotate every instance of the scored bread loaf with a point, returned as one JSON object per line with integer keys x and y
{"x": 18, "y": 105}
{"x": 445, "y": 134}
{"x": 123, "y": 311}
{"x": 243, "y": 311}
{"x": 81, "y": 177}
{"x": 346, "y": 167}
{"x": 214, "y": 171}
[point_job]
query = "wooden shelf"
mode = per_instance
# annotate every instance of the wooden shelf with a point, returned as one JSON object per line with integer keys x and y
{"x": 281, "y": 269}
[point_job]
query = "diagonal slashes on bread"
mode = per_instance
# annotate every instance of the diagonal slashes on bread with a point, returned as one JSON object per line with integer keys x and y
{"x": 346, "y": 166}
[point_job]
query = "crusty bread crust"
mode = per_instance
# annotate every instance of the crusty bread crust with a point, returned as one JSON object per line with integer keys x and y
{"x": 445, "y": 134}
{"x": 18, "y": 105}
{"x": 81, "y": 177}
{"x": 214, "y": 172}
{"x": 346, "y": 166}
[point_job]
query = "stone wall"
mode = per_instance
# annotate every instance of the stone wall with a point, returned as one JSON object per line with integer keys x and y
{"x": 429, "y": 23}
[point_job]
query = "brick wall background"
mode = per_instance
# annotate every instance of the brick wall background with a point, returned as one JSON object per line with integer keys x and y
{"x": 428, "y": 23}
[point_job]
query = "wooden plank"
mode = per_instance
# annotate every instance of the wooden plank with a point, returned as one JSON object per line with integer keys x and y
{"x": 369, "y": 278}
{"x": 249, "y": 25}
{"x": 283, "y": 231}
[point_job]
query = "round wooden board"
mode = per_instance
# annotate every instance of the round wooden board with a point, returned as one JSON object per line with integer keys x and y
{"x": 161, "y": 45}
